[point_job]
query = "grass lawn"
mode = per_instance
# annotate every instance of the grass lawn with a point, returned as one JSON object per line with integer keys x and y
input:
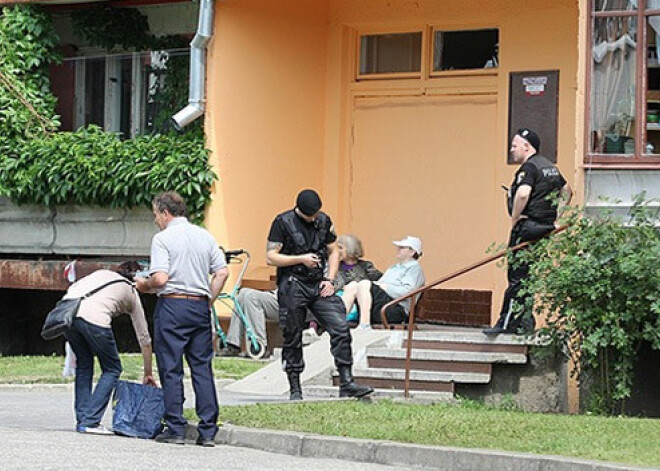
{"x": 48, "y": 369}
{"x": 631, "y": 441}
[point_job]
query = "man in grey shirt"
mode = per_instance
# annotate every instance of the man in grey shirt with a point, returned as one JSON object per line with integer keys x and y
{"x": 182, "y": 258}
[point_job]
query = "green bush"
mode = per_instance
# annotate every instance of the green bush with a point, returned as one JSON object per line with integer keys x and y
{"x": 93, "y": 167}
{"x": 598, "y": 286}
{"x": 88, "y": 166}
{"x": 27, "y": 48}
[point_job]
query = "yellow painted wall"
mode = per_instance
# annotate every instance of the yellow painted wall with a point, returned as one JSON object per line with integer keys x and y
{"x": 265, "y": 113}
{"x": 282, "y": 115}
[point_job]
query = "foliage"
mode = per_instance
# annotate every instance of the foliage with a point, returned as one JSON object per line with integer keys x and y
{"x": 622, "y": 439}
{"x": 89, "y": 166}
{"x": 598, "y": 285}
{"x": 92, "y": 167}
{"x": 107, "y": 27}
{"x": 128, "y": 29}
{"x": 27, "y": 47}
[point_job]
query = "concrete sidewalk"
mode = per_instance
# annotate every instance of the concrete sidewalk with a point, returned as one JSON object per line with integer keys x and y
{"x": 48, "y": 409}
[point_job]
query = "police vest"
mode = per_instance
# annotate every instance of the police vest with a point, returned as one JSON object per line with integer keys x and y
{"x": 295, "y": 243}
{"x": 540, "y": 206}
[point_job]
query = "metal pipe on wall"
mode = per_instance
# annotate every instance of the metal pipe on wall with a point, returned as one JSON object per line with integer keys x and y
{"x": 197, "y": 91}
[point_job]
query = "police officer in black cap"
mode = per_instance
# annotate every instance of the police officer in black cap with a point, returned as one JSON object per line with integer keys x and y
{"x": 301, "y": 244}
{"x": 533, "y": 212}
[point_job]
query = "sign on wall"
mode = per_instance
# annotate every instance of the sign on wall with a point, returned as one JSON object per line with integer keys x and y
{"x": 533, "y": 104}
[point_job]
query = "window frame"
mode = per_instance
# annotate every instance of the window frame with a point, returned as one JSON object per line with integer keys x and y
{"x": 359, "y": 77}
{"x": 638, "y": 159}
{"x": 476, "y": 71}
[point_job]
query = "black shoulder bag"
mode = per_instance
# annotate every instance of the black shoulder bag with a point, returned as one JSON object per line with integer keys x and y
{"x": 61, "y": 317}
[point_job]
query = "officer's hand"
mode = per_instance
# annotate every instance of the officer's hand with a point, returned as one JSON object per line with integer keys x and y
{"x": 310, "y": 260}
{"x": 327, "y": 289}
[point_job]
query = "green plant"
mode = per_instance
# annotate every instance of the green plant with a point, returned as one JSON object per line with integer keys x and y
{"x": 598, "y": 286}
{"x": 92, "y": 167}
{"x": 106, "y": 26}
{"x": 27, "y": 47}
{"x": 88, "y": 166}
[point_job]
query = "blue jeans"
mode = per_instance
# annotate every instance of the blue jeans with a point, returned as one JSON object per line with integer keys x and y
{"x": 183, "y": 328}
{"x": 87, "y": 341}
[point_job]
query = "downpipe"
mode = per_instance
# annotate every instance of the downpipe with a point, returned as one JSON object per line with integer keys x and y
{"x": 197, "y": 91}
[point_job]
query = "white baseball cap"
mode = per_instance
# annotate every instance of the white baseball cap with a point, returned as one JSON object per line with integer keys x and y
{"x": 413, "y": 242}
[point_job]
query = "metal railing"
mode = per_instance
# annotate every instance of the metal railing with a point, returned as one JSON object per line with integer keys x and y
{"x": 412, "y": 295}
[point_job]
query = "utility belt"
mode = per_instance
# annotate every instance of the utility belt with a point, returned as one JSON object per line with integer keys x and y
{"x": 302, "y": 274}
{"x": 299, "y": 279}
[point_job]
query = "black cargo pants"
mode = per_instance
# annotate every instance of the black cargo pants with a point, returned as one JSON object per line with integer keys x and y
{"x": 518, "y": 270}
{"x": 295, "y": 298}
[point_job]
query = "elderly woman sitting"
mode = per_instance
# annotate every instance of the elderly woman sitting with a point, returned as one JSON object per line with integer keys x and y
{"x": 400, "y": 279}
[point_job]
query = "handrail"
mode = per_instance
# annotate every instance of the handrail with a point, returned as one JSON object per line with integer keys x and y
{"x": 451, "y": 276}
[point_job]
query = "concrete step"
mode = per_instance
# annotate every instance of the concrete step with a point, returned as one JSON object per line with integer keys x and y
{"x": 473, "y": 336}
{"x": 447, "y": 355}
{"x": 471, "y": 340}
{"x": 420, "y": 397}
{"x": 428, "y": 376}
{"x": 377, "y": 382}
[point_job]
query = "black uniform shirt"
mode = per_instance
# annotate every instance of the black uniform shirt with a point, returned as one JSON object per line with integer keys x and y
{"x": 544, "y": 178}
{"x": 297, "y": 237}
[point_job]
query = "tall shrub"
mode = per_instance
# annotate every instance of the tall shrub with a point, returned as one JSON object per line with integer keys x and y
{"x": 598, "y": 286}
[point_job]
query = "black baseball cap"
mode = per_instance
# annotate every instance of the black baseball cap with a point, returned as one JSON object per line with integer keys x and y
{"x": 531, "y": 137}
{"x": 308, "y": 202}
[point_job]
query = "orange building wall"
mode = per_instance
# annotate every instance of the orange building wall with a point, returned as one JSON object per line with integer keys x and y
{"x": 282, "y": 115}
{"x": 265, "y": 123}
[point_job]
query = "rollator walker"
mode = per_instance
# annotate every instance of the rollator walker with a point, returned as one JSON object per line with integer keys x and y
{"x": 256, "y": 348}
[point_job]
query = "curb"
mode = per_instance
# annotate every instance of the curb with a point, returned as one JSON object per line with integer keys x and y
{"x": 400, "y": 454}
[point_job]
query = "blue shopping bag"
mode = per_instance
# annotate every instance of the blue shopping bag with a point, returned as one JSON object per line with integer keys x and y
{"x": 138, "y": 410}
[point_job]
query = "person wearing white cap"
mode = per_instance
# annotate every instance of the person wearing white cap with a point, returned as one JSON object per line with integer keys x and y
{"x": 400, "y": 279}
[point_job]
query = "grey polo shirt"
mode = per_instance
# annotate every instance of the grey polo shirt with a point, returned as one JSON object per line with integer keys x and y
{"x": 188, "y": 254}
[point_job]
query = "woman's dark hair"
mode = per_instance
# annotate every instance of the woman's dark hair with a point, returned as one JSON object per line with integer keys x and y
{"x": 128, "y": 269}
{"x": 172, "y": 202}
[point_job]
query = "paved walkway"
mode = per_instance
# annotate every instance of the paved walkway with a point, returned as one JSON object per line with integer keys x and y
{"x": 36, "y": 432}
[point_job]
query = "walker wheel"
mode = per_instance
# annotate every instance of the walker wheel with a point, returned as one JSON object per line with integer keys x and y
{"x": 256, "y": 353}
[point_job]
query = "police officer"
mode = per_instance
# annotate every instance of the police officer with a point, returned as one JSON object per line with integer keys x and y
{"x": 533, "y": 213}
{"x": 301, "y": 244}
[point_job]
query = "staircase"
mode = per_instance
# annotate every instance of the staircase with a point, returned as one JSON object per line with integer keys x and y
{"x": 443, "y": 360}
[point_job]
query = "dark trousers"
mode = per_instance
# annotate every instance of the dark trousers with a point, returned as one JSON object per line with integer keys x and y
{"x": 395, "y": 314}
{"x": 515, "y": 310}
{"x": 294, "y": 298}
{"x": 89, "y": 341}
{"x": 182, "y": 327}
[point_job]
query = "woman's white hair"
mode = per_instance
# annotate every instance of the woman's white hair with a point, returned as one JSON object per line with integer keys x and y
{"x": 352, "y": 245}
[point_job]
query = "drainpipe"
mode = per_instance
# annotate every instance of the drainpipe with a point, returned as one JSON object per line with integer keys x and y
{"x": 196, "y": 94}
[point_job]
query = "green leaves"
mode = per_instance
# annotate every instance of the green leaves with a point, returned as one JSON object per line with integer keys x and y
{"x": 92, "y": 167}
{"x": 597, "y": 284}
{"x": 27, "y": 42}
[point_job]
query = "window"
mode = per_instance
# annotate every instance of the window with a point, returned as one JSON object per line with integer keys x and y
{"x": 624, "y": 83}
{"x": 115, "y": 91}
{"x": 455, "y": 50}
{"x": 396, "y": 53}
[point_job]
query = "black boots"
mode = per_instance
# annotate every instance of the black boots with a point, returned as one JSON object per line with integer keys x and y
{"x": 348, "y": 387}
{"x": 295, "y": 391}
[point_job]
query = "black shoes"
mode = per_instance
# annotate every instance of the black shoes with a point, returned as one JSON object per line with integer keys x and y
{"x": 205, "y": 442}
{"x": 348, "y": 387}
{"x": 497, "y": 330}
{"x": 295, "y": 390}
{"x": 353, "y": 389}
{"x": 168, "y": 437}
